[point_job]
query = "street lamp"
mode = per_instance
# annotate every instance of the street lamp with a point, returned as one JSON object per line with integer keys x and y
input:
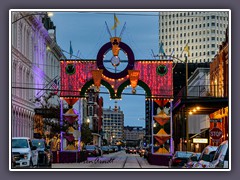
{"x": 88, "y": 121}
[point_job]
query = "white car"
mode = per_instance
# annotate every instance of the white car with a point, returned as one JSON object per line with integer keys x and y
{"x": 24, "y": 153}
{"x": 206, "y": 157}
{"x": 221, "y": 156}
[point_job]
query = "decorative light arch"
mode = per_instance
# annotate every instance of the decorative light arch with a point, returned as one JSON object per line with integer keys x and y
{"x": 103, "y": 82}
{"x": 140, "y": 83}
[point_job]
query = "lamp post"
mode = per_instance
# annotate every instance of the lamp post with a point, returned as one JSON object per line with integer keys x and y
{"x": 186, "y": 94}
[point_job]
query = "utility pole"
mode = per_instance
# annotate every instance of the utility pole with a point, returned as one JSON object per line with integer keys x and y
{"x": 186, "y": 95}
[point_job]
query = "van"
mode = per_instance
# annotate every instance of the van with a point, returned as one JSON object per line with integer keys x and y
{"x": 221, "y": 156}
{"x": 206, "y": 157}
{"x": 23, "y": 152}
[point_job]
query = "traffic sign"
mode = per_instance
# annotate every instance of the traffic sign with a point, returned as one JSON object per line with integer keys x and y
{"x": 215, "y": 133}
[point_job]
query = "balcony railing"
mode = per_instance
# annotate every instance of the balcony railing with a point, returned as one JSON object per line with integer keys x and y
{"x": 214, "y": 91}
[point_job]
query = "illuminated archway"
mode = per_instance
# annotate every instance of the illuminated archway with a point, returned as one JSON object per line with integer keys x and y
{"x": 140, "y": 83}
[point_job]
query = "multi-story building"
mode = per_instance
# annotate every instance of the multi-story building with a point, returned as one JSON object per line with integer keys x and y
{"x": 113, "y": 120}
{"x": 219, "y": 81}
{"x": 94, "y": 110}
{"x": 35, "y": 70}
{"x": 202, "y": 30}
{"x": 92, "y": 114}
{"x": 134, "y": 135}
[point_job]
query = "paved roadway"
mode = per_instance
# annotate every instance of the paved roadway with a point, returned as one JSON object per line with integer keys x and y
{"x": 117, "y": 160}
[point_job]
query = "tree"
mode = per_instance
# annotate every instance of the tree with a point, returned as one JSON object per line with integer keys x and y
{"x": 86, "y": 134}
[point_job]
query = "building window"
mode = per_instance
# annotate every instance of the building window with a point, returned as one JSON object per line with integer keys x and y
{"x": 213, "y": 52}
{"x": 213, "y": 38}
{"x": 213, "y": 17}
{"x": 90, "y": 111}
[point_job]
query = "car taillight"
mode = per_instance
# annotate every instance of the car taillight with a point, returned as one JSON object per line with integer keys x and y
{"x": 203, "y": 165}
{"x": 177, "y": 160}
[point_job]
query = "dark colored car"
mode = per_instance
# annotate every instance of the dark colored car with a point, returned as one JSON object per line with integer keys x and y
{"x": 180, "y": 158}
{"x": 92, "y": 150}
{"x": 127, "y": 150}
{"x": 132, "y": 151}
{"x": 44, "y": 152}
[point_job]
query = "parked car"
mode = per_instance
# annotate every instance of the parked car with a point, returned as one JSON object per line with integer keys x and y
{"x": 127, "y": 150}
{"x": 221, "y": 156}
{"x": 92, "y": 150}
{"x": 180, "y": 158}
{"x": 206, "y": 157}
{"x": 25, "y": 154}
{"x": 142, "y": 151}
{"x": 44, "y": 152}
{"x": 105, "y": 149}
{"x": 192, "y": 160}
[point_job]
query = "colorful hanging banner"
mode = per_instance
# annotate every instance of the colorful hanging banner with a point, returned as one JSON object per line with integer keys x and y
{"x": 71, "y": 101}
{"x": 115, "y": 45}
{"x": 133, "y": 77}
{"x": 97, "y": 76}
{"x": 161, "y": 102}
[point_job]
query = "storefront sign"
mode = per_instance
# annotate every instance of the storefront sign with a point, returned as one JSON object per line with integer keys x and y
{"x": 200, "y": 140}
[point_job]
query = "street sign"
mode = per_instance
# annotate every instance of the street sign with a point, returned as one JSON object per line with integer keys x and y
{"x": 215, "y": 133}
{"x": 215, "y": 120}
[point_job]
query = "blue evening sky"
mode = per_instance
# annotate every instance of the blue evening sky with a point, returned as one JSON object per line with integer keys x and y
{"x": 87, "y": 32}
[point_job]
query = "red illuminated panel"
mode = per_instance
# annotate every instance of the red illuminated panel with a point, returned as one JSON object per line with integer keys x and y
{"x": 161, "y": 86}
{"x": 72, "y": 84}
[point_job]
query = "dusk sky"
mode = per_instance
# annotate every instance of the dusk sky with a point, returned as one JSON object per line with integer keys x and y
{"x": 87, "y": 32}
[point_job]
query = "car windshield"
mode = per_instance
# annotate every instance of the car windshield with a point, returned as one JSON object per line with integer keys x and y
{"x": 38, "y": 143}
{"x": 183, "y": 154}
{"x": 19, "y": 143}
{"x": 90, "y": 147}
{"x": 207, "y": 157}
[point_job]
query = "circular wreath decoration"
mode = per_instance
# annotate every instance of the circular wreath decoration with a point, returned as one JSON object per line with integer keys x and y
{"x": 125, "y": 48}
{"x": 162, "y": 70}
{"x": 70, "y": 69}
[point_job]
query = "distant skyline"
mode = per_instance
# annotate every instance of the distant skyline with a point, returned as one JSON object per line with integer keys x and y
{"x": 87, "y": 32}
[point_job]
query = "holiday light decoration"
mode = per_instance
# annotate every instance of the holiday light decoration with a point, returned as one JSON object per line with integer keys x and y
{"x": 134, "y": 76}
{"x": 160, "y": 86}
{"x": 162, "y": 136}
{"x": 115, "y": 45}
{"x": 97, "y": 76}
{"x": 162, "y": 118}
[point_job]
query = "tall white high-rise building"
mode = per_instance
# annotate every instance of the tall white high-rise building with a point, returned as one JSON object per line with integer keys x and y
{"x": 204, "y": 31}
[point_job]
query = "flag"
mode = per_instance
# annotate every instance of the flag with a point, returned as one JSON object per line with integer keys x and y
{"x": 161, "y": 50}
{"x": 54, "y": 86}
{"x": 186, "y": 48}
{"x": 116, "y": 22}
{"x": 71, "y": 50}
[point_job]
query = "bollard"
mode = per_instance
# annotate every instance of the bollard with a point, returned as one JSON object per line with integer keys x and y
{"x": 57, "y": 156}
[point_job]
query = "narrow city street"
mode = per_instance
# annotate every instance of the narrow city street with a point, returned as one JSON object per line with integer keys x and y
{"x": 117, "y": 160}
